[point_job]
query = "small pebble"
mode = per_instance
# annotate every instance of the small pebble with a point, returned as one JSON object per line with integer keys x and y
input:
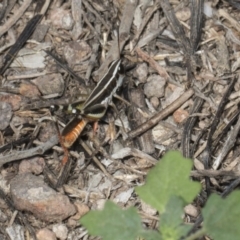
{"x": 67, "y": 22}
{"x": 82, "y": 209}
{"x": 162, "y": 135}
{"x": 13, "y": 100}
{"x": 45, "y": 234}
{"x": 61, "y": 18}
{"x": 50, "y": 84}
{"x": 155, "y": 102}
{"x": 191, "y": 210}
{"x": 202, "y": 124}
{"x": 34, "y": 165}
{"x": 154, "y": 86}
{"x": 47, "y": 130}
{"x": 61, "y": 231}
{"x": 148, "y": 209}
{"x": 71, "y": 223}
{"x": 180, "y": 115}
{"x": 184, "y": 14}
{"x": 125, "y": 194}
{"x": 76, "y": 52}
{"x": 29, "y": 90}
{"x": 142, "y": 72}
{"x": 40, "y": 32}
{"x": 100, "y": 204}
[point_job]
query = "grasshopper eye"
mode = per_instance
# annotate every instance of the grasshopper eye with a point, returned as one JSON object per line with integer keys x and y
{"x": 74, "y": 111}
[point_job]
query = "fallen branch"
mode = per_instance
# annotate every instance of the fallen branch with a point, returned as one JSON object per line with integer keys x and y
{"x": 18, "y": 155}
{"x": 214, "y": 173}
{"x": 161, "y": 115}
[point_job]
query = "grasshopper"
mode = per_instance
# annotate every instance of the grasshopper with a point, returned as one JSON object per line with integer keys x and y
{"x": 95, "y": 106}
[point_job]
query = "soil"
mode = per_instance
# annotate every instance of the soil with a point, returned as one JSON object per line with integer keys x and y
{"x": 180, "y": 62}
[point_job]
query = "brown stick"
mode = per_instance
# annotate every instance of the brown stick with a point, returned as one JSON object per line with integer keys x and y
{"x": 11, "y": 21}
{"x": 214, "y": 173}
{"x": 39, "y": 150}
{"x": 161, "y": 115}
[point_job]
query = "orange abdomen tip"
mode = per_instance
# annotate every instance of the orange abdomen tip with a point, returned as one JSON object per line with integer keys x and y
{"x": 70, "y": 137}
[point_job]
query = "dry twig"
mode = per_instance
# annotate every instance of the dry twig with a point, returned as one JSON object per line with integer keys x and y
{"x": 11, "y": 21}
{"x": 161, "y": 115}
{"x": 40, "y": 150}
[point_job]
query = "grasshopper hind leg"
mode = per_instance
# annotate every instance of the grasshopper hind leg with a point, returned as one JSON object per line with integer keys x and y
{"x": 118, "y": 116}
{"x": 64, "y": 173}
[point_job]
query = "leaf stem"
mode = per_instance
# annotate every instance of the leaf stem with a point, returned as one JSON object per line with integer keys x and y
{"x": 197, "y": 234}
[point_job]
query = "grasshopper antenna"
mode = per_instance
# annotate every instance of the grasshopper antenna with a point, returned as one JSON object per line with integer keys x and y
{"x": 118, "y": 44}
{"x": 116, "y": 33}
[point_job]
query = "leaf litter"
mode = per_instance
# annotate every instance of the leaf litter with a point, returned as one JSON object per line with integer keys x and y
{"x": 193, "y": 46}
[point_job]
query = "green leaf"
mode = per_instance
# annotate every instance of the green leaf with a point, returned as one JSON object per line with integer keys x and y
{"x": 221, "y": 217}
{"x": 169, "y": 177}
{"x": 149, "y": 235}
{"x": 113, "y": 223}
{"x": 172, "y": 227}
